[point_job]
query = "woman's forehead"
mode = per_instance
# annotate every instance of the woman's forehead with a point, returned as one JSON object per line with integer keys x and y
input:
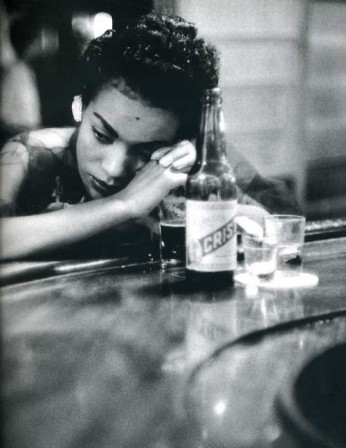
{"x": 132, "y": 118}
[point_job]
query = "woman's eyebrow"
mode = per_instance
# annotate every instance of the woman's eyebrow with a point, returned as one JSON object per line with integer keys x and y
{"x": 106, "y": 125}
{"x": 154, "y": 144}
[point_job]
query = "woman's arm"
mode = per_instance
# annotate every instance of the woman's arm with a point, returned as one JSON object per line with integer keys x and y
{"x": 22, "y": 236}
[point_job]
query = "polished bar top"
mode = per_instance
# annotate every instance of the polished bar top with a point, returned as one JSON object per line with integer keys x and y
{"x": 101, "y": 357}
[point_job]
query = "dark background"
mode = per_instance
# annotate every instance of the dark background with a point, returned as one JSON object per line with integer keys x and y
{"x": 55, "y": 70}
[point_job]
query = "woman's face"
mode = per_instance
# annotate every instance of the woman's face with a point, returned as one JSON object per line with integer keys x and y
{"x": 116, "y": 138}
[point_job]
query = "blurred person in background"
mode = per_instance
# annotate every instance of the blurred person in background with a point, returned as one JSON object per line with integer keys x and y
{"x": 136, "y": 114}
{"x": 20, "y": 101}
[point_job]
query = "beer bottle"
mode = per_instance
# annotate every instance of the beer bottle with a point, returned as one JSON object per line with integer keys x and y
{"x": 211, "y": 201}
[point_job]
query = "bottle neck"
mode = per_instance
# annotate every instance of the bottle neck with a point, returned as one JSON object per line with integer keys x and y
{"x": 211, "y": 142}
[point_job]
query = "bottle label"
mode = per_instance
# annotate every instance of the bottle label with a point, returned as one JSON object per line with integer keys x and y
{"x": 211, "y": 239}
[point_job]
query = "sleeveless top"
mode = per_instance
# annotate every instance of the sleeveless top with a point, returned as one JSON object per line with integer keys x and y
{"x": 52, "y": 174}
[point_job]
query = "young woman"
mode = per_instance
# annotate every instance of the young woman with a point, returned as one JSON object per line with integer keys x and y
{"x": 136, "y": 114}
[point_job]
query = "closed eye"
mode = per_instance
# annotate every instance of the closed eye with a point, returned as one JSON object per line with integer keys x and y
{"x": 101, "y": 137}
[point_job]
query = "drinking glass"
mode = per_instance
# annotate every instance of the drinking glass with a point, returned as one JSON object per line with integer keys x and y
{"x": 287, "y": 233}
{"x": 172, "y": 227}
{"x": 259, "y": 257}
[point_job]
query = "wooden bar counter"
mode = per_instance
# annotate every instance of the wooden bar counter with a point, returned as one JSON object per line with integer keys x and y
{"x": 101, "y": 354}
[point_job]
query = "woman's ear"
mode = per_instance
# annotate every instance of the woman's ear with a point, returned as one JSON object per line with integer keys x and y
{"x": 77, "y": 108}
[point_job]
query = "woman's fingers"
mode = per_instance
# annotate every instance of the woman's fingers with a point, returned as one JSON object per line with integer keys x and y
{"x": 172, "y": 156}
{"x": 156, "y": 155}
{"x": 170, "y": 177}
{"x": 184, "y": 163}
{"x": 160, "y": 152}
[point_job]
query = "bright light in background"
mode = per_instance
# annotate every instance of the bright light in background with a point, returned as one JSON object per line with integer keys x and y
{"x": 102, "y": 22}
{"x": 82, "y": 25}
{"x": 220, "y": 407}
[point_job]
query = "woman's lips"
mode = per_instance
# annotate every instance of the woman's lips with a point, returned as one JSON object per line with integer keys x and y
{"x": 103, "y": 188}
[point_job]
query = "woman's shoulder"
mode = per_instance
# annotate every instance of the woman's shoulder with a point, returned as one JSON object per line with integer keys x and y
{"x": 30, "y": 163}
{"x": 41, "y": 146}
{"x": 49, "y": 138}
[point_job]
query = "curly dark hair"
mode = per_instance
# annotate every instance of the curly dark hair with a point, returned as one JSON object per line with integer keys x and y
{"x": 160, "y": 59}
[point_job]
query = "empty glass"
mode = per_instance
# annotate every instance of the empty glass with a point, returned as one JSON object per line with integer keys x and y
{"x": 287, "y": 233}
{"x": 259, "y": 257}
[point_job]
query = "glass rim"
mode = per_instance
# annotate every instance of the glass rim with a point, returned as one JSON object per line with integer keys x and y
{"x": 278, "y": 217}
{"x": 264, "y": 242}
{"x": 272, "y": 248}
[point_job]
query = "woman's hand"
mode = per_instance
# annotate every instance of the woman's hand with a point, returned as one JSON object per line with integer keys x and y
{"x": 166, "y": 170}
{"x": 179, "y": 157}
